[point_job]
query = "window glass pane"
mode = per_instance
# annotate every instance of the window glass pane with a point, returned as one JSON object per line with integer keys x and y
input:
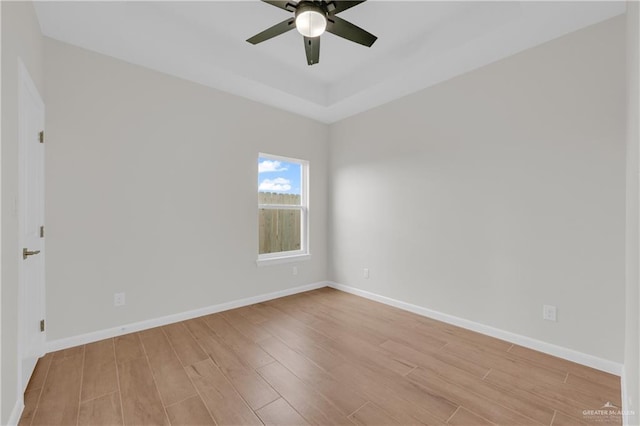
{"x": 279, "y": 230}
{"x": 279, "y": 182}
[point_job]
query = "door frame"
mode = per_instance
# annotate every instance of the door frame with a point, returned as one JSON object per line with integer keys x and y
{"x": 26, "y": 87}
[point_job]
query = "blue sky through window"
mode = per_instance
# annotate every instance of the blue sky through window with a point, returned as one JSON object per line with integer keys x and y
{"x": 278, "y": 176}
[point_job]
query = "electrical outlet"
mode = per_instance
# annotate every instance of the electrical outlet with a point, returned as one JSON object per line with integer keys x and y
{"x": 365, "y": 272}
{"x": 294, "y": 270}
{"x": 549, "y": 313}
{"x": 118, "y": 299}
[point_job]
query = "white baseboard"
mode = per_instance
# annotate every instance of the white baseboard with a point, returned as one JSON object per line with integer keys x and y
{"x": 95, "y": 336}
{"x": 528, "y": 342}
{"x": 16, "y": 412}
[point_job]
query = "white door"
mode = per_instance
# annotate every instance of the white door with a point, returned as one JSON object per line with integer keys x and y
{"x": 30, "y": 219}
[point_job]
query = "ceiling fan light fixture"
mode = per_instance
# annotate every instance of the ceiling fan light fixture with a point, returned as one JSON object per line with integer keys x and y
{"x": 311, "y": 21}
{"x": 312, "y": 18}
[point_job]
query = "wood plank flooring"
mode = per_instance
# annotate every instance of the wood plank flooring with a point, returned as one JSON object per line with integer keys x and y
{"x": 316, "y": 358}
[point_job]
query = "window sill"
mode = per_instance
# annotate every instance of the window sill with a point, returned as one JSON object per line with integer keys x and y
{"x": 284, "y": 259}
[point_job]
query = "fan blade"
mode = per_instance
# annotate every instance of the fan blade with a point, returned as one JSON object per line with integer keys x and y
{"x": 341, "y": 6}
{"x": 286, "y": 5}
{"x": 312, "y": 48}
{"x": 271, "y": 32}
{"x": 346, "y": 29}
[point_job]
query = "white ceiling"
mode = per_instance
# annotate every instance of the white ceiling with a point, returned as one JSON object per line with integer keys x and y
{"x": 420, "y": 43}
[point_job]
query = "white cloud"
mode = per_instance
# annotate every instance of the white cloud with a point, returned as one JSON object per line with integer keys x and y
{"x": 270, "y": 166}
{"x": 275, "y": 185}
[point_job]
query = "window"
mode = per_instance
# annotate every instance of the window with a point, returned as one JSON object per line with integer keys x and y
{"x": 282, "y": 208}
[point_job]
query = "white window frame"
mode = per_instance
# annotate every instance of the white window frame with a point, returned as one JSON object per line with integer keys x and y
{"x": 292, "y": 255}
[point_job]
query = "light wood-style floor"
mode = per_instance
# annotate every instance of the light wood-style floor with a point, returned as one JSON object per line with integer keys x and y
{"x": 321, "y": 357}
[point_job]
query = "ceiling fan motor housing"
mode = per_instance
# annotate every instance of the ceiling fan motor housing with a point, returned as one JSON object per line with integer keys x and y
{"x": 310, "y": 6}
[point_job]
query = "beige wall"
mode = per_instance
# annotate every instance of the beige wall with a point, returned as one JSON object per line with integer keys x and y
{"x": 152, "y": 191}
{"x": 21, "y": 37}
{"x": 632, "y": 296}
{"x": 496, "y": 192}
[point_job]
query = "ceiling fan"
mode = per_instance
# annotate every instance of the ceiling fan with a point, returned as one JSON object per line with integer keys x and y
{"x": 312, "y": 19}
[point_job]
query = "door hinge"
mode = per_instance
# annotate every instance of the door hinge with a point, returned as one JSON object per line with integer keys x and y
{"x": 42, "y": 231}
{"x": 41, "y": 325}
{"x": 42, "y": 136}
